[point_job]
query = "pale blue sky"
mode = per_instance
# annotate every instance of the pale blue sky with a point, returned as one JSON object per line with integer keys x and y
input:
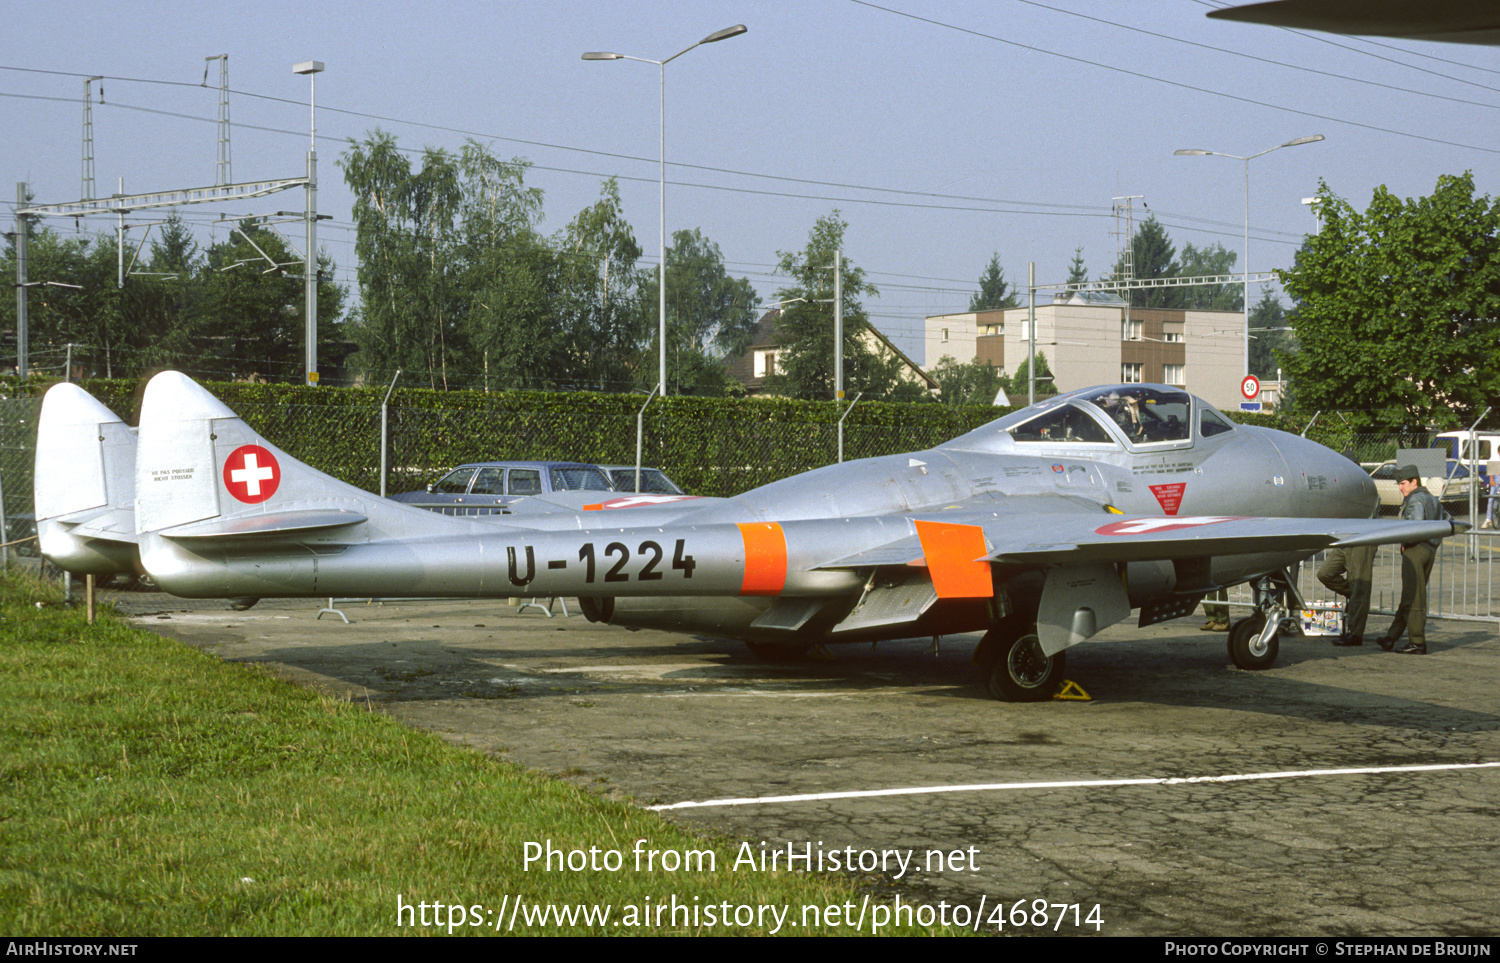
{"x": 943, "y": 130}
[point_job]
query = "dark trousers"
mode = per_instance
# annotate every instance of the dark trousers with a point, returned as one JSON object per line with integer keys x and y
{"x": 1348, "y": 572}
{"x": 1411, "y": 616}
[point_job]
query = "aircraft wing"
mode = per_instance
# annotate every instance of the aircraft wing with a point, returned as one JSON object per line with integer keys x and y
{"x": 109, "y": 524}
{"x": 1453, "y": 21}
{"x": 271, "y": 525}
{"x": 589, "y": 509}
{"x": 1126, "y": 539}
{"x": 1055, "y": 538}
{"x": 1167, "y": 562}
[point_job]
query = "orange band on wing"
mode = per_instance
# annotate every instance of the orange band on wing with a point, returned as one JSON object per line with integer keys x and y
{"x": 765, "y": 558}
{"x": 955, "y": 559}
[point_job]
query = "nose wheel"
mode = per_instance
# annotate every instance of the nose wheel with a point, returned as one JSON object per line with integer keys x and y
{"x": 1249, "y": 645}
{"x": 1254, "y": 641}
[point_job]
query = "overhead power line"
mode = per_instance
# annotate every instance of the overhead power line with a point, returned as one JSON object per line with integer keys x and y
{"x": 1172, "y": 83}
{"x": 1265, "y": 60}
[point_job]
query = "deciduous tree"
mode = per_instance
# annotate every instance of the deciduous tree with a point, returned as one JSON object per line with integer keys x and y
{"x": 1398, "y": 307}
{"x": 1270, "y": 341}
{"x": 973, "y": 383}
{"x": 246, "y": 317}
{"x": 804, "y": 365}
{"x": 710, "y": 315}
{"x": 434, "y": 244}
{"x": 231, "y": 311}
{"x": 599, "y": 306}
{"x": 1212, "y": 261}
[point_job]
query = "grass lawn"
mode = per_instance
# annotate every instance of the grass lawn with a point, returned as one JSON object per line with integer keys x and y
{"x": 149, "y": 789}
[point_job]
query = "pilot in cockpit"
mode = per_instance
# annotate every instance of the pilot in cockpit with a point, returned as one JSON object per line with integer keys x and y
{"x": 1125, "y": 411}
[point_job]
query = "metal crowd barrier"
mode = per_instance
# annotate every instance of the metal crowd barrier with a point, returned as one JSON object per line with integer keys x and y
{"x": 1462, "y": 586}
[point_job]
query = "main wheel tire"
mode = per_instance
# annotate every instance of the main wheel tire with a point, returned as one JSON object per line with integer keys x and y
{"x": 773, "y": 653}
{"x": 1245, "y": 648}
{"x": 1015, "y": 668}
{"x": 600, "y": 609}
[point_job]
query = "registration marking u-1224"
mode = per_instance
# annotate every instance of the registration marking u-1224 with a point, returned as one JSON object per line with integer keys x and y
{"x": 650, "y": 549}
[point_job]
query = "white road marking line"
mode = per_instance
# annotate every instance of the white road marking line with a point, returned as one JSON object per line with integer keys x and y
{"x": 206, "y": 617}
{"x": 647, "y": 668}
{"x": 1076, "y": 784}
{"x": 754, "y": 693}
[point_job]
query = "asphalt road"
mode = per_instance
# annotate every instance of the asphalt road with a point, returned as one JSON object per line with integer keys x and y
{"x": 1073, "y": 803}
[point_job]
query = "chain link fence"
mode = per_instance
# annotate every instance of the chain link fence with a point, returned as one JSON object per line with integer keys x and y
{"x": 17, "y": 461}
{"x": 1369, "y": 448}
{"x": 718, "y": 456}
{"x": 1462, "y": 586}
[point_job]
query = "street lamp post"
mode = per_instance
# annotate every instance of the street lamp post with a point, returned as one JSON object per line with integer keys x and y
{"x": 1204, "y": 153}
{"x": 714, "y": 37}
{"x": 310, "y": 280}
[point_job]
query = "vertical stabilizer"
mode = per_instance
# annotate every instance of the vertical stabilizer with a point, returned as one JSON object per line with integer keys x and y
{"x": 175, "y": 466}
{"x": 199, "y": 462}
{"x": 85, "y": 484}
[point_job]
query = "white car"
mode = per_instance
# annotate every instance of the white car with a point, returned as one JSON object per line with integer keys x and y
{"x": 1452, "y": 488}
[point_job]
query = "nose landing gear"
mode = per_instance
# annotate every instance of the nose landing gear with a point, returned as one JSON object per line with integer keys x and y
{"x": 1254, "y": 642}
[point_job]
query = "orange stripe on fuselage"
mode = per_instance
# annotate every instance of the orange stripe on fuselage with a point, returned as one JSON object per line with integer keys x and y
{"x": 955, "y": 556}
{"x": 765, "y": 558}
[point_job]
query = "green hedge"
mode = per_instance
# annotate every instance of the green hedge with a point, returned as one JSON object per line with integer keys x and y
{"x": 711, "y": 446}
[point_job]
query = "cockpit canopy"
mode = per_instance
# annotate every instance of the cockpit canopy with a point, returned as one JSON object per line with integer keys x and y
{"x": 1147, "y": 415}
{"x": 1139, "y": 415}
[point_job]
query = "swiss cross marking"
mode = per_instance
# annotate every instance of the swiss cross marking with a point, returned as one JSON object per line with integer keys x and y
{"x": 1148, "y": 526}
{"x": 637, "y": 501}
{"x": 251, "y": 474}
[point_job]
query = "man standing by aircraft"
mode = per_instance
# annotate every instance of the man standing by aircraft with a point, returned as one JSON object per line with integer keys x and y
{"x": 1418, "y": 504}
{"x": 1348, "y": 572}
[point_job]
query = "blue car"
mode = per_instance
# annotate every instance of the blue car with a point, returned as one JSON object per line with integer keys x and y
{"x": 490, "y": 487}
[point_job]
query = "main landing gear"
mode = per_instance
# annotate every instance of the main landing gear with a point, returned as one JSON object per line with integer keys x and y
{"x": 1013, "y": 666}
{"x": 778, "y": 654}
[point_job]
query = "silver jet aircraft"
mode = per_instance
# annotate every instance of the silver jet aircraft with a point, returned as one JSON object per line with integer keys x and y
{"x": 1040, "y": 529}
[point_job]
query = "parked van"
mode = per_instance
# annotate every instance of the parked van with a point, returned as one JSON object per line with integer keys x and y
{"x": 1482, "y": 445}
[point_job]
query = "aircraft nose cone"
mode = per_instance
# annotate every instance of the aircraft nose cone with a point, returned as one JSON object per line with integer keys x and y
{"x": 1326, "y": 483}
{"x": 1336, "y": 485}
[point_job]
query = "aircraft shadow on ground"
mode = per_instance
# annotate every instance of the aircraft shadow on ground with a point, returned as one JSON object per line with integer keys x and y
{"x": 1190, "y": 673}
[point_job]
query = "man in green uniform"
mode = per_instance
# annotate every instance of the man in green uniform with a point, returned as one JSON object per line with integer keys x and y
{"x": 1417, "y": 505}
